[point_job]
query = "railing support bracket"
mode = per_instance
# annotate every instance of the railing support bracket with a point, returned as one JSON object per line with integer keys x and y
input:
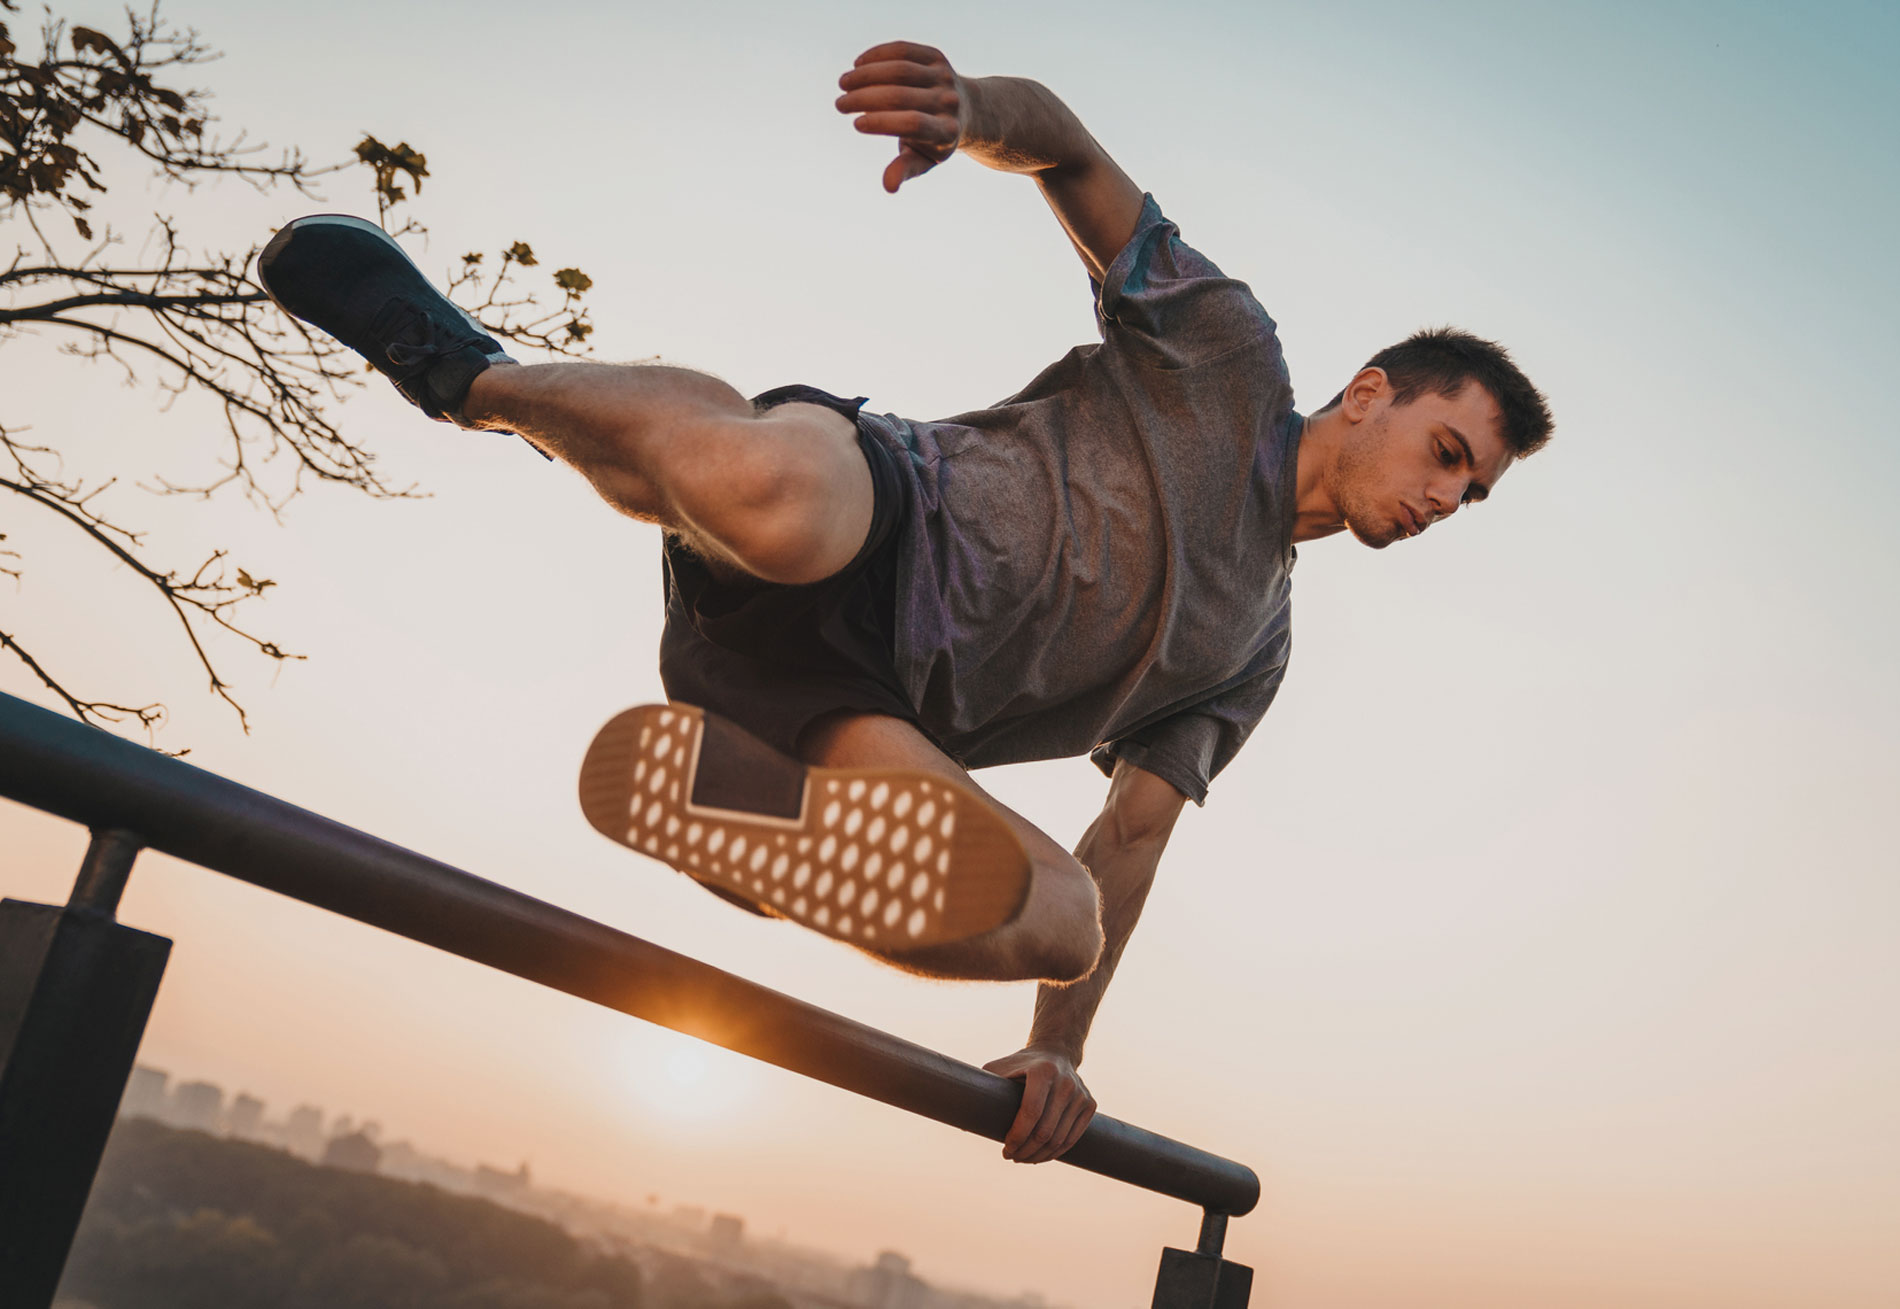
{"x": 75, "y": 991}
{"x": 1200, "y": 1278}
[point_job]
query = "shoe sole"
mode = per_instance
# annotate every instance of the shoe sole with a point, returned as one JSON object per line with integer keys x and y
{"x": 889, "y": 858}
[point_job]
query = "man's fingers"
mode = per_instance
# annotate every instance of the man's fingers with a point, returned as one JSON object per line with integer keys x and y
{"x": 896, "y": 73}
{"x": 1039, "y": 1146}
{"x": 907, "y": 51}
{"x": 913, "y": 127}
{"x": 924, "y": 100}
{"x": 1074, "y": 1123}
{"x": 1065, "y": 1122}
{"x": 1035, "y": 1100}
{"x": 908, "y": 164}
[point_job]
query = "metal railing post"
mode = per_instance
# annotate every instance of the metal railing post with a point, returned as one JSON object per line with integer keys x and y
{"x": 1200, "y": 1278}
{"x": 75, "y": 990}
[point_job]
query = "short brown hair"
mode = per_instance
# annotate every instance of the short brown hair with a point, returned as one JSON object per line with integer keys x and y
{"x": 1440, "y": 360}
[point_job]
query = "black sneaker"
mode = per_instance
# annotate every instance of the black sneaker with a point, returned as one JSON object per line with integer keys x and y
{"x": 348, "y": 277}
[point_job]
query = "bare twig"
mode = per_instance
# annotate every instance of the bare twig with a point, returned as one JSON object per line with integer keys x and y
{"x": 193, "y": 323}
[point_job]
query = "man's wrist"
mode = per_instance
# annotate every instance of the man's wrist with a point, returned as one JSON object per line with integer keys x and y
{"x": 974, "y": 124}
{"x": 1070, "y": 1050}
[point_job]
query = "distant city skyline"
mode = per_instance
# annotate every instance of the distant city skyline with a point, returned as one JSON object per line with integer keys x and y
{"x": 341, "y": 1141}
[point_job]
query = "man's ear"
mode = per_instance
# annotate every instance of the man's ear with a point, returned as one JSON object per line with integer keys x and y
{"x": 1362, "y": 394}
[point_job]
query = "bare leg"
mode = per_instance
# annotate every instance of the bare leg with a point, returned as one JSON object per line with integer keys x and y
{"x": 1058, "y": 935}
{"x": 784, "y": 495}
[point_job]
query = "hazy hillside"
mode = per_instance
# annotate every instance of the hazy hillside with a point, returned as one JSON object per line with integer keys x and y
{"x": 181, "y": 1220}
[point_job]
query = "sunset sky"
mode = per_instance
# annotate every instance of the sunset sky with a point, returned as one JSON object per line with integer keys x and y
{"x": 1540, "y": 947}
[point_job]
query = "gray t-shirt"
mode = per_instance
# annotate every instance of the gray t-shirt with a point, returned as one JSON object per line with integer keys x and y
{"x": 1101, "y": 563}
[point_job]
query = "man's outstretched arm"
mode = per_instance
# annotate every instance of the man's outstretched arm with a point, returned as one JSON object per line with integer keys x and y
{"x": 1008, "y": 123}
{"x": 1121, "y": 850}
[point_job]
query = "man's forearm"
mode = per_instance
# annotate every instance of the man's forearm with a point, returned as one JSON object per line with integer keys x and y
{"x": 1018, "y": 126}
{"x": 1124, "y": 875}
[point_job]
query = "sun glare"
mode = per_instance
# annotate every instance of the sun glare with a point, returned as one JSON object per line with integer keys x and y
{"x": 683, "y": 1080}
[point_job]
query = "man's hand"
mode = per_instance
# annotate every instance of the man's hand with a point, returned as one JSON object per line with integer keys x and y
{"x": 910, "y": 92}
{"x": 1056, "y": 1108}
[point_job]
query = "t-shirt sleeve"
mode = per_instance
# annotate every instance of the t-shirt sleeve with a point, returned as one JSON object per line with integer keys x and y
{"x": 1168, "y": 304}
{"x": 1188, "y": 748}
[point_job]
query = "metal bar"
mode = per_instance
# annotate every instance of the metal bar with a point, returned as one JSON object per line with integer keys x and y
{"x": 103, "y": 874}
{"x": 88, "y": 776}
{"x": 1213, "y": 1234}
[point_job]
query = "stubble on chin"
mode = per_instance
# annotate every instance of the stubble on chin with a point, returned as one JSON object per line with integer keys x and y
{"x": 1369, "y": 527}
{"x": 1369, "y": 524}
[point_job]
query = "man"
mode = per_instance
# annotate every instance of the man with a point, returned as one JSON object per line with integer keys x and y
{"x": 868, "y": 605}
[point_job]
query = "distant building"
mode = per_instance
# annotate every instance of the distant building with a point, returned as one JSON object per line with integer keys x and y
{"x": 497, "y": 1185}
{"x": 354, "y": 1152}
{"x": 726, "y": 1235}
{"x": 145, "y": 1094}
{"x": 198, "y": 1106}
{"x": 303, "y": 1131}
{"x": 888, "y": 1284}
{"x": 245, "y": 1118}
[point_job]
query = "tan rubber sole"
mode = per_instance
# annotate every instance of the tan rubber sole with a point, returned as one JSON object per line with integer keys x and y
{"x": 889, "y": 858}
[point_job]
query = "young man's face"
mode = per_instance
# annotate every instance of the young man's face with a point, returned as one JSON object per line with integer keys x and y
{"x": 1407, "y": 466}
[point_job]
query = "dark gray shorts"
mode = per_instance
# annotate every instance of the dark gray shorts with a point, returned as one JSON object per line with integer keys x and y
{"x": 774, "y": 658}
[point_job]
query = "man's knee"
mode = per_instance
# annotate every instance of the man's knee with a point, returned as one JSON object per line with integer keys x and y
{"x": 792, "y": 508}
{"x": 1068, "y": 941}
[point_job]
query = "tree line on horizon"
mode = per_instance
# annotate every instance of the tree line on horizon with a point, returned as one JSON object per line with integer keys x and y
{"x": 181, "y": 1220}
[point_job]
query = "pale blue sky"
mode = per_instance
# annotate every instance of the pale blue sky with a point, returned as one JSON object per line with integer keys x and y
{"x": 1593, "y": 1001}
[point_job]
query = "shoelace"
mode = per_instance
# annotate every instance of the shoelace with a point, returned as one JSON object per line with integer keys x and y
{"x": 434, "y": 343}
